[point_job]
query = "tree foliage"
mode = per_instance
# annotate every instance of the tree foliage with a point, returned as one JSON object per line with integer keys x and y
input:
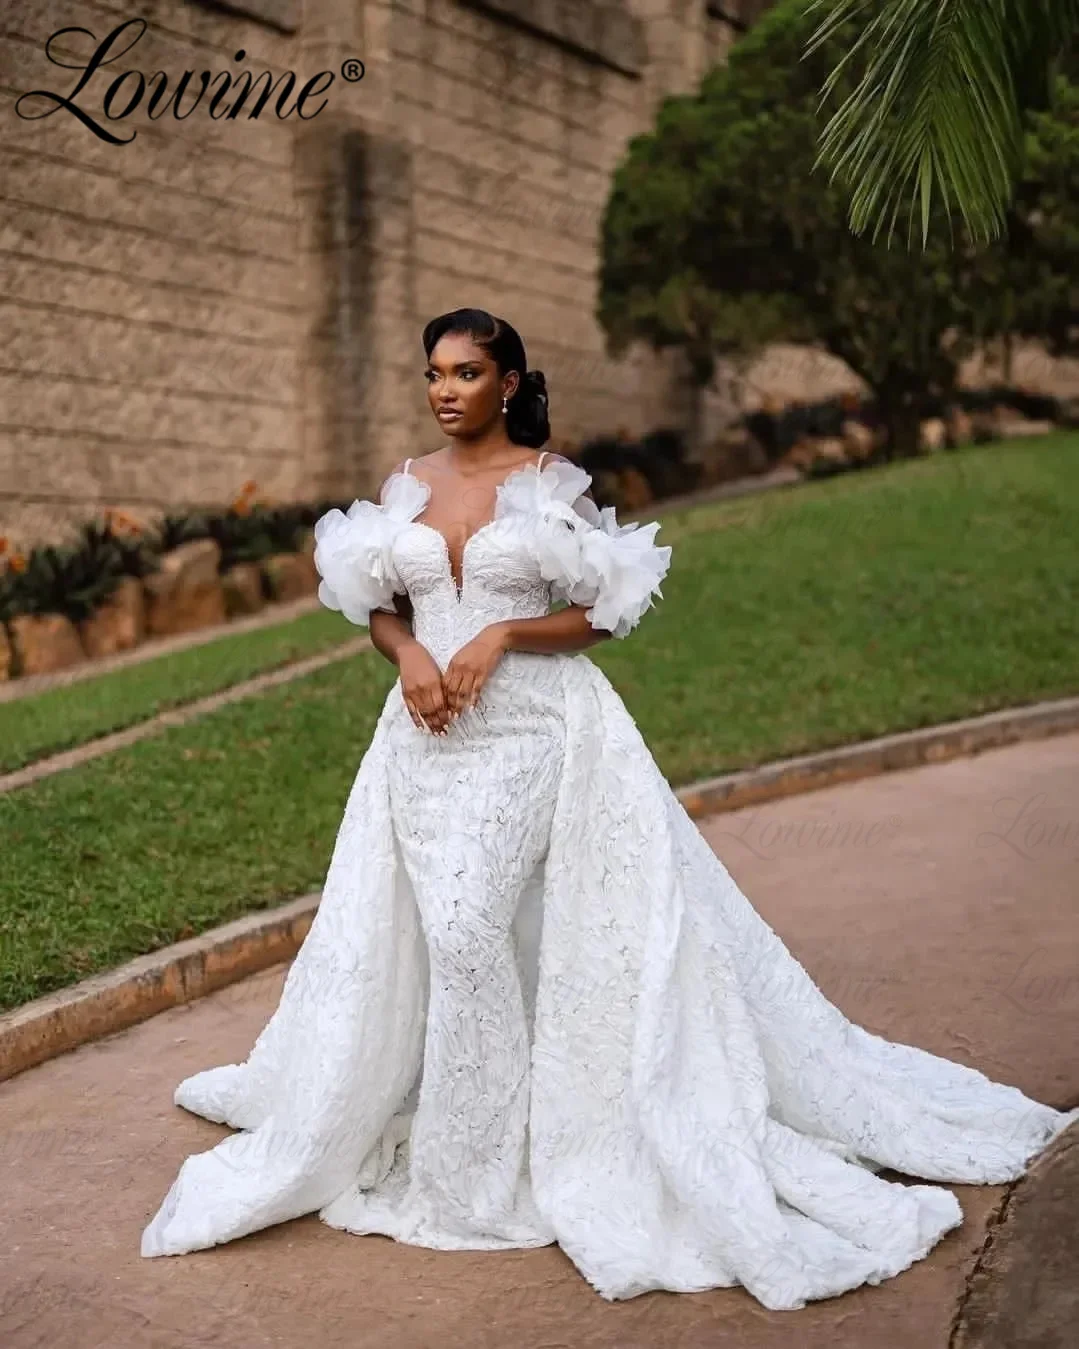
{"x": 722, "y": 234}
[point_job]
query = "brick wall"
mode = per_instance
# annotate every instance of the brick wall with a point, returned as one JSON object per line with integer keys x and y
{"x": 152, "y": 301}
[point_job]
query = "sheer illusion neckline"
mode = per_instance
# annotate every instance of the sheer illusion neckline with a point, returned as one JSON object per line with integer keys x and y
{"x": 459, "y": 586}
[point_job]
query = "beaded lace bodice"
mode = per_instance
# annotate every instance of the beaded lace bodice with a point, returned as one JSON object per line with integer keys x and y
{"x": 501, "y": 576}
{"x": 546, "y": 541}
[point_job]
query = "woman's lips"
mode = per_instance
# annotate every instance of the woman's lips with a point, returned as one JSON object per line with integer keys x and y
{"x": 449, "y": 414}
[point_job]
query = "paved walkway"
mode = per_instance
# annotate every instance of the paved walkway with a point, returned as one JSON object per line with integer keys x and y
{"x": 935, "y": 905}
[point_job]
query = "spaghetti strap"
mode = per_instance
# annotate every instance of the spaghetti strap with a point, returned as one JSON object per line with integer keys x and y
{"x": 407, "y": 463}
{"x": 539, "y": 463}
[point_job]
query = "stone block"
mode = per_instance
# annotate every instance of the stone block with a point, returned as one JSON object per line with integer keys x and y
{"x": 282, "y": 14}
{"x": 186, "y": 593}
{"x": 117, "y": 625}
{"x": 598, "y": 30}
{"x": 45, "y": 642}
{"x": 290, "y": 576}
{"x": 243, "y": 589}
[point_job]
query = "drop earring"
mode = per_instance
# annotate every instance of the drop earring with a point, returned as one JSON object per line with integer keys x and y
{"x": 505, "y": 405}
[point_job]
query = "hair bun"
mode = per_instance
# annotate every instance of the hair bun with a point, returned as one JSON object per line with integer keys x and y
{"x": 527, "y": 419}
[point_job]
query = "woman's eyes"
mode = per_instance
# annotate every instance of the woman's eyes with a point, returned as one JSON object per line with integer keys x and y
{"x": 465, "y": 374}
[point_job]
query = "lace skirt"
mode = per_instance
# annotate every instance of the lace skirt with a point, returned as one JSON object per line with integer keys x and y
{"x": 472, "y": 814}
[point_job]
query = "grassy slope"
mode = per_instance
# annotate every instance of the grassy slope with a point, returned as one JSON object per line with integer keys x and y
{"x": 31, "y": 728}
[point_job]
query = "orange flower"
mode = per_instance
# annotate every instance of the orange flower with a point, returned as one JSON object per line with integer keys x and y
{"x": 241, "y": 506}
{"x": 121, "y": 523}
{"x": 249, "y": 487}
{"x": 18, "y": 562}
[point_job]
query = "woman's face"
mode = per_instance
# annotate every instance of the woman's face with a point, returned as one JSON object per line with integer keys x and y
{"x": 464, "y": 387}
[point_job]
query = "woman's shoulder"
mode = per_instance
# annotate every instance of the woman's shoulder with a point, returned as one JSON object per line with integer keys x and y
{"x": 403, "y": 490}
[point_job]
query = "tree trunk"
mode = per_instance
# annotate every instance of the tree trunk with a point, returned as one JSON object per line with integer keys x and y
{"x": 902, "y": 415}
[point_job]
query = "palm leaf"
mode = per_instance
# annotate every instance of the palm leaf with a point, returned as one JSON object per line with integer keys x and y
{"x": 939, "y": 102}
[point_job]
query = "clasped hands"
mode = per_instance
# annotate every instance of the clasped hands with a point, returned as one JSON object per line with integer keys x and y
{"x": 436, "y": 698}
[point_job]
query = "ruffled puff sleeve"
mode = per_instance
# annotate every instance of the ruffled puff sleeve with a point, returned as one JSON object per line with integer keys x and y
{"x": 612, "y": 570}
{"x": 354, "y": 550}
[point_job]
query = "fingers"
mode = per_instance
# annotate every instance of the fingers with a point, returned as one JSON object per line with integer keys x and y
{"x": 428, "y": 722}
{"x": 427, "y": 707}
{"x": 451, "y": 687}
{"x": 456, "y": 694}
{"x": 463, "y": 696}
{"x": 414, "y": 713}
{"x": 462, "y": 687}
{"x": 434, "y": 709}
{"x": 436, "y": 715}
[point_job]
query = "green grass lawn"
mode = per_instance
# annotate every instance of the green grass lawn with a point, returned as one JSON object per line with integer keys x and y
{"x": 31, "y": 728}
{"x": 876, "y": 602}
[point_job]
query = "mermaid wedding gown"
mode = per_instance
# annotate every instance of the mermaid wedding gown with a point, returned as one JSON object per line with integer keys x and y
{"x": 535, "y": 1007}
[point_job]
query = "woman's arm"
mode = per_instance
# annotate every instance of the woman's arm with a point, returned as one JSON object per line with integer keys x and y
{"x": 392, "y": 633}
{"x": 566, "y": 629}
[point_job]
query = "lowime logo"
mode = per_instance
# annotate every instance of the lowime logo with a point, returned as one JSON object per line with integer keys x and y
{"x": 126, "y": 93}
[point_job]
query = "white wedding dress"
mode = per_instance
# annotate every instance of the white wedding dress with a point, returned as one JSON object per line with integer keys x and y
{"x": 535, "y": 1007}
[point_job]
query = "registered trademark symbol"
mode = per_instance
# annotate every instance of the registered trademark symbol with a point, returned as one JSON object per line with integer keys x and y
{"x": 352, "y": 70}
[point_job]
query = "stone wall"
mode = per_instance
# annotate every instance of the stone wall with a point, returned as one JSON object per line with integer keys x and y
{"x": 218, "y": 301}
{"x": 154, "y": 300}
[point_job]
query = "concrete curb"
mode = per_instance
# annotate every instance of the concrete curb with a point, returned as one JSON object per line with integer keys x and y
{"x": 906, "y": 749}
{"x": 113, "y": 1001}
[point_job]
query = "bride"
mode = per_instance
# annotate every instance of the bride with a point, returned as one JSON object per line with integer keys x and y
{"x": 534, "y": 1006}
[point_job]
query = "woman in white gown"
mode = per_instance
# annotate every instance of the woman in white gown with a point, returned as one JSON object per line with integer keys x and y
{"x": 534, "y": 1006}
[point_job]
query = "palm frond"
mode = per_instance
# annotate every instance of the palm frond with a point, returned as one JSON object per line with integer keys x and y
{"x": 938, "y": 104}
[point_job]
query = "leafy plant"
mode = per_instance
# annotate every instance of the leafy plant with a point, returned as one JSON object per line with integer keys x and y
{"x": 287, "y": 526}
{"x": 242, "y": 537}
{"x": 117, "y": 547}
{"x": 172, "y": 531}
{"x": 253, "y": 528}
{"x": 66, "y": 580}
{"x": 11, "y": 567}
{"x": 940, "y": 102}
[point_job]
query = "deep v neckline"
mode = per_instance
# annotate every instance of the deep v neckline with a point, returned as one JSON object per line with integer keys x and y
{"x": 459, "y": 589}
